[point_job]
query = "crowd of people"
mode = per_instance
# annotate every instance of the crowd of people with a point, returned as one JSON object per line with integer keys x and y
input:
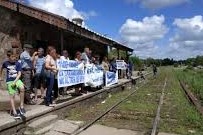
{"x": 31, "y": 72}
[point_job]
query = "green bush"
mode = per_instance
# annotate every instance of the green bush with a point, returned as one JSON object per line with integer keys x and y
{"x": 194, "y": 78}
{"x": 175, "y": 65}
{"x": 190, "y": 67}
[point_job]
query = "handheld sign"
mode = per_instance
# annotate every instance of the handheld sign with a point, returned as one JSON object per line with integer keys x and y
{"x": 111, "y": 78}
{"x": 121, "y": 64}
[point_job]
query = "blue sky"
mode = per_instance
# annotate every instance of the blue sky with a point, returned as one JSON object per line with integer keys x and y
{"x": 153, "y": 28}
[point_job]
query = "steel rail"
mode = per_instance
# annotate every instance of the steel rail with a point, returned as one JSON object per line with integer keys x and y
{"x": 157, "y": 118}
{"x": 104, "y": 113}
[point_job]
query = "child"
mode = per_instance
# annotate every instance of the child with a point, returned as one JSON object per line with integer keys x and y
{"x": 13, "y": 69}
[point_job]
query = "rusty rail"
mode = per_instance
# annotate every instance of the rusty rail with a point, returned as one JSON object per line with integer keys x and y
{"x": 192, "y": 97}
{"x": 157, "y": 118}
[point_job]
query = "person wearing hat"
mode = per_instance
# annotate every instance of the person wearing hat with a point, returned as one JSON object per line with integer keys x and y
{"x": 27, "y": 71}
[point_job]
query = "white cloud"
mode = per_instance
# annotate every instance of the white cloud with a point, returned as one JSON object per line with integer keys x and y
{"x": 69, "y": 3}
{"x": 145, "y": 50}
{"x": 156, "y": 4}
{"x": 188, "y": 40}
{"x": 89, "y": 14}
{"x": 142, "y": 35}
{"x": 63, "y": 8}
{"x": 189, "y": 29}
{"x": 150, "y": 28}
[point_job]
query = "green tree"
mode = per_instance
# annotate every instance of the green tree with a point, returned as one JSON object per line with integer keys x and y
{"x": 199, "y": 60}
{"x": 114, "y": 53}
{"x": 137, "y": 63}
{"x": 149, "y": 61}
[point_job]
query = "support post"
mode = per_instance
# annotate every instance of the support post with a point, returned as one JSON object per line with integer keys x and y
{"x": 118, "y": 53}
{"x": 62, "y": 43}
{"x": 127, "y": 56}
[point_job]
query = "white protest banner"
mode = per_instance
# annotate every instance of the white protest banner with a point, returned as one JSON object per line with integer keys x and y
{"x": 111, "y": 78}
{"x": 93, "y": 75}
{"x": 70, "y": 73}
{"x": 120, "y": 64}
{"x": 70, "y": 77}
{"x": 69, "y": 65}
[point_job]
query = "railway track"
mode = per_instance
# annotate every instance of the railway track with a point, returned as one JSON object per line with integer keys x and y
{"x": 154, "y": 129}
{"x": 157, "y": 118}
{"x": 157, "y": 108}
{"x": 20, "y": 126}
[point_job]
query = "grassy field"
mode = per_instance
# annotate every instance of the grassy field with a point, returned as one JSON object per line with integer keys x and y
{"x": 138, "y": 112}
{"x": 178, "y": 115}
{"x": 194, "y": 78}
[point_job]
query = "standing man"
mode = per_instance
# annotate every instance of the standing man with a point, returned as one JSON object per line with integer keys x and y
{"x": 85, "y": 55}
{"x": 154, "y": 70}
{"x": 27, "y": 71}
{"x": 129, "y": 69}
{"x": 86, "y": 59}
{"x": 113, "y": 66}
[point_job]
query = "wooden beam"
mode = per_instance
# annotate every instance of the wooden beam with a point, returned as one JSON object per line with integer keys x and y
{"x": 7, "y": 4}
{"x": 62, "y": 39}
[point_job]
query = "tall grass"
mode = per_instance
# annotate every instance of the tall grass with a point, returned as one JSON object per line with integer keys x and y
{"x": 194, "y": 78}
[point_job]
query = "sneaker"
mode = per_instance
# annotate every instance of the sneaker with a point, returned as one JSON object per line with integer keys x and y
{"x": 52, "y": 105}
{"x": 16, "y": 116}
{"x": 22, "y": 111}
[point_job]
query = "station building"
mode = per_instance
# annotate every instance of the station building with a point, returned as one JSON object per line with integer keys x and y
{"x": 25, "y": 24}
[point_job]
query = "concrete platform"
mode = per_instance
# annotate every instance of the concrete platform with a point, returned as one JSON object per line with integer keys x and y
{"x": 5, "y": 100}
{"x": 34, "y": 111}
{"x": 104, "y": 130}
{"x": 66, "y": 127}
{"x": 47, "y": 120}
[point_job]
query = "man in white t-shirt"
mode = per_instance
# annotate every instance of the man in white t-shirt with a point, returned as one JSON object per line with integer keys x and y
{"x": 85, "y": 55}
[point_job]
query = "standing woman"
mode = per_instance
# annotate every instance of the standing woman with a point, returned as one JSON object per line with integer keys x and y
{"x": 105, "y": 64}
{"x": 79, "y": 87}
{"x": 51, "y": 70}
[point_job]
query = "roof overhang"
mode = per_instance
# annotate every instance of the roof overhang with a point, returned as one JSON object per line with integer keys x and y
{"x": 61, "y": 22}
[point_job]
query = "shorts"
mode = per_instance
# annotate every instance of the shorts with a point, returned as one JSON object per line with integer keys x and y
{"x": 38, "y": 79}
{"x": 12, "y": 90}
